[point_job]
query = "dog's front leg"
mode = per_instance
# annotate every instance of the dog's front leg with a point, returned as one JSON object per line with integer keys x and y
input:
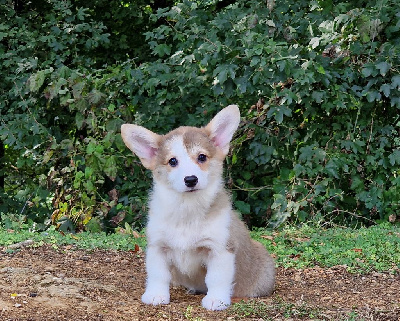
{"x": 158, "y": 277}
{"x": 219, "y": 281}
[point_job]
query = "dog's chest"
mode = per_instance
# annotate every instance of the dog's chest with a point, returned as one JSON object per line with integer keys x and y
{"x": 188, "y": 262}
{"x": 188, "y": 244}
{"x": 191, "y": 235}
{"x": 190, "y": 249}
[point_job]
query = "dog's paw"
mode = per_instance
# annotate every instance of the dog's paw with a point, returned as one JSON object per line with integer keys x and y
{"x": 155, "y": 299}
{"x": 215, "y": 304}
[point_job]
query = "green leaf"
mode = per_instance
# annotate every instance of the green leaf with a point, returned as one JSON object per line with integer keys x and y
{"x": 318, "y": 96}
{"x": 357, "y": 183}
{"x": 385, "y": 89}
{"x": 246, "y": 175}
{"x": 314, "y": 42}
{"x": 242, "y": 84}
{"x": 110, "y": 167}
{"x": 224, "y": 71}
{"x": 89, "y": 172}
{"x": 321, "y": 70}
{"x": 234, "y": 159}
{"x": 91, "y": 148}
{"x": 396, "y": 81}
{"x": 77, "y": 89}
{"x": 65, "y": 99}
{"x": 36, "y": 80}
{"x": 280, "y": 202}
{"x": 369, "y": 70}
{"x": 255, "y": 61}
{"x": 383, "y": 67}
{"x": 95, "y": 96}
{"x": 298, "y": 170}
{"x": 162, "y": 50}
{"x": 47, "y": 156}
{"x": 79, "y": 120}
{"x": 114, "y": 124}
{"x": 3, "y": 35}
{"x": 395, "y": 101}
{"x": 78, "y": 179}
{"x": 395, "y": 157}
{"x": 243, "y": 208}
{"x": 89, "y": 186}
{"x": 332, "y": 168}
{"x": 373, "y": 95}
{"x": 279, "y": 112}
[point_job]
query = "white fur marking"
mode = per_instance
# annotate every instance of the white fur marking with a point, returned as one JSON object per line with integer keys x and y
{"x": 186, "y": 167}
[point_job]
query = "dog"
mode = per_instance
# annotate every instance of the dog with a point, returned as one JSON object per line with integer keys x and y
{"x": 195, "y": 238}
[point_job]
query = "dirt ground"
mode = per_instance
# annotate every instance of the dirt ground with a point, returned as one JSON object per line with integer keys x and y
{"x": 67, "y": 284}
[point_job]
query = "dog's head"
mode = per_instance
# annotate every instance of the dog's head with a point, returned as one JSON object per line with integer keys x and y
{"x": 187, "y": 159}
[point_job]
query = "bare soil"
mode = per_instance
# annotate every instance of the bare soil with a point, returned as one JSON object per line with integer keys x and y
{"x": 42, "y": 283}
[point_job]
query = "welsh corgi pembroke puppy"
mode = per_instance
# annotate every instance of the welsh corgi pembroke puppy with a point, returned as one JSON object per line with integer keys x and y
{"x": 195, "y": 238}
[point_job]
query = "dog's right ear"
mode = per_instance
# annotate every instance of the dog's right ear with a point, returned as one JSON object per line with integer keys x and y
{"x": 142, "y": 142}
{"x": 223, "y": 126}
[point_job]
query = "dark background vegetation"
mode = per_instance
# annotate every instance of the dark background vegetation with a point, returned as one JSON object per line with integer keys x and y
{"x": 317, "y": 82}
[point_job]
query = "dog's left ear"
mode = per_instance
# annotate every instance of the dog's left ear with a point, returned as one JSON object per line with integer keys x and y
{"x": 223, "y": 126}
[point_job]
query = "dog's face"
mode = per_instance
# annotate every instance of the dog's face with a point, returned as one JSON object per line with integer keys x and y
{"x": 186, "y": 159}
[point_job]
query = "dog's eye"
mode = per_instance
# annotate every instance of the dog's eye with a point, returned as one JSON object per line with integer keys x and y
{"x": 202, "y": 158}
{"x": 173, "y": 162}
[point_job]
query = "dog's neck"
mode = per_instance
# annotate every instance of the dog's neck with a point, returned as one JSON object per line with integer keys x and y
{"x": 190, "y": 205}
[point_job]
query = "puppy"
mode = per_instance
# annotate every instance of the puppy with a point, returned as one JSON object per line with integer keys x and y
{"x": 195, "y": 238}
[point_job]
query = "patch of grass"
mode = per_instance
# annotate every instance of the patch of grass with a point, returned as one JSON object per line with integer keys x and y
{"x": 278, "y": 309}
{"x": 85, "y": 240}
{"x": 255, "y": 309}
{"x": 188, "y": 314}
{"x": 353, "y": 316}
{"x": 376, "y": 248}
{"x": 360, "y": 250}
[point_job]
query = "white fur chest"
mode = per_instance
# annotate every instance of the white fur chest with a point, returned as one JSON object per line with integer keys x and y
{"x": 180, "y": 227}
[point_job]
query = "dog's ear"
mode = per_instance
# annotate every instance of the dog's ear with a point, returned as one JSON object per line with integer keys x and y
{"x": 223, "y": 126}
{"x": 142, "y": 142}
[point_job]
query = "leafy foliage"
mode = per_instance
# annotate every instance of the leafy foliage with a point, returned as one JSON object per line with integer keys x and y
{"x": 318, "y": 86}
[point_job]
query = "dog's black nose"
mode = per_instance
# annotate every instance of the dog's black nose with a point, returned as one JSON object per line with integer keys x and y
{"x": 191, "y": 181}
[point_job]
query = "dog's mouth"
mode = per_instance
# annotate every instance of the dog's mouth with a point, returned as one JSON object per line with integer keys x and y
{"x": 192, "y": 190}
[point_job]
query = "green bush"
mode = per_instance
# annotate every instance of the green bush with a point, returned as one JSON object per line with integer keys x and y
{"x": 317, "y": 84}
